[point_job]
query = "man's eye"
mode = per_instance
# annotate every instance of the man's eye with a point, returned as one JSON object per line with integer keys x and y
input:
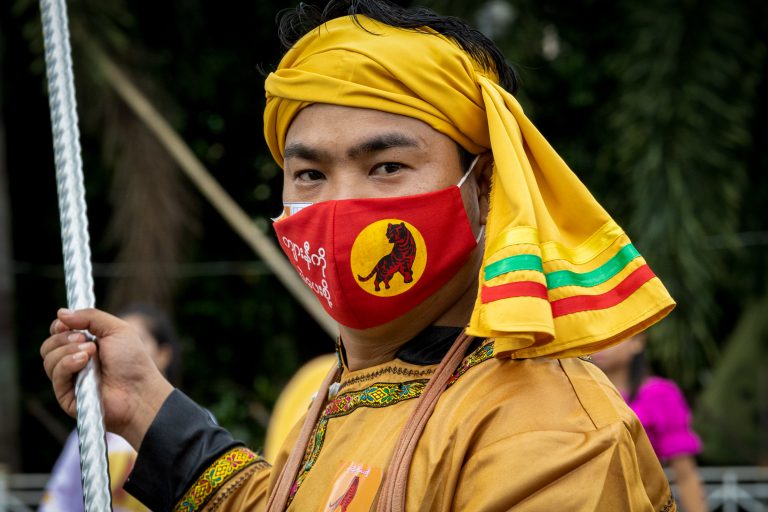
{"x": 387, "y": 168}
{"x": 310, "y": 175}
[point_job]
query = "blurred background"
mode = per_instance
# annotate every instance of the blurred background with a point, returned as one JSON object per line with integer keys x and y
{"x": 659, "y": 106}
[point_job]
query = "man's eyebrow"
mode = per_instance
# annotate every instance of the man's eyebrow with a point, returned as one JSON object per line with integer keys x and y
{"x": 376, "y": 143}
{"x": 299, "y": 150}
{"x": 382, "y": 142}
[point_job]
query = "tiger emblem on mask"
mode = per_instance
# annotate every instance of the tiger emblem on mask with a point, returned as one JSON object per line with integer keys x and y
{"x": 399, "y": 260}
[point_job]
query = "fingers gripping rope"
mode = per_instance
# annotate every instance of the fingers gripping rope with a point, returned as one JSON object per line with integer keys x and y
{"x": 77, "y": 253}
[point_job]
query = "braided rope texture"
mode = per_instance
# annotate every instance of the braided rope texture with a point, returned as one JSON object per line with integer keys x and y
{"x": 75, "y": 243}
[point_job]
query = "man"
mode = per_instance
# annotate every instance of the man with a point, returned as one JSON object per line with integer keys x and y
{"x": 465, "y": 265}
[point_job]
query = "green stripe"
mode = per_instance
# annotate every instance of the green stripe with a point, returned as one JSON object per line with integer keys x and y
{"x": 513, "y": 263}
{"x": 594, "y": 277}
{"x": 565, "y": 277}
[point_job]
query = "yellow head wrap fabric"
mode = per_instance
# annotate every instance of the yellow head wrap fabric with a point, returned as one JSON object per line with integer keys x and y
{"x": 559, "y": 277}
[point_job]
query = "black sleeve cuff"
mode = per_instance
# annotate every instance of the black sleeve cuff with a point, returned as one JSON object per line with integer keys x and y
{"x": 182, "y": 441}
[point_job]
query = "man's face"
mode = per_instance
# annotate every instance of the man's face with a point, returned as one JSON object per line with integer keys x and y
{"x": 334, "y": 152}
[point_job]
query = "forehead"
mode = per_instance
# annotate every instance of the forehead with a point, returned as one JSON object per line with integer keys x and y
{"x": 337, "y": 128}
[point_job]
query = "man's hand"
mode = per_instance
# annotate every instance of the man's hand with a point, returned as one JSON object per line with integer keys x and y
{"x": 132, "y": 387}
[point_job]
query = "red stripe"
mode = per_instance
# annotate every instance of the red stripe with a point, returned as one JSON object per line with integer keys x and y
{"x": 519, "y": 289}
{"x": 624, "y": 289}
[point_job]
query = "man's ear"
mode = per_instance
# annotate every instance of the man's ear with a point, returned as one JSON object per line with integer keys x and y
{"x": 482, "y": 176}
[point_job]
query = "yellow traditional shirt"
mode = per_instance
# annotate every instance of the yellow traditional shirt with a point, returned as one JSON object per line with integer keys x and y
{"x": 522, "y": 435}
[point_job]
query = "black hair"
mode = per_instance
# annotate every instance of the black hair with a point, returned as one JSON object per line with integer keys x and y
{"x": 161, "y": 328}
{"x": 293, "y": 24}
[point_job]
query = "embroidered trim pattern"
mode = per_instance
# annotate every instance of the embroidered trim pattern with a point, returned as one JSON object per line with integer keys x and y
{"x": 215, "y": 476}
{"x": 234, "y": 484}
{"x": 669, "y": 506}
{"x": 483, "y": 353}
{"x": 389, "y": 370}
{"x": 376, "y": 396}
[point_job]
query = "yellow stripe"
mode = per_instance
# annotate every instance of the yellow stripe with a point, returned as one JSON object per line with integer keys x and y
{"x": 506, "y": 252}
{"x": 515, "y": 236}
{"x": 585, "y": 252}
{"x": 600, "y": 259}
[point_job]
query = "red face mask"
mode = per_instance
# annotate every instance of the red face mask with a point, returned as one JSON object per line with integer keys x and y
{"x": 370, "y": 261}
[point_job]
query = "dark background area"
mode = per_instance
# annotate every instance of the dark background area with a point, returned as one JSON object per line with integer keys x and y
{"x": 658, "y": 106}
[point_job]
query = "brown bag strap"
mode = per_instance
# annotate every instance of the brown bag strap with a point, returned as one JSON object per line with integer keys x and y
{"x": 278, "y": 499}
{"x": 392, "y": 495}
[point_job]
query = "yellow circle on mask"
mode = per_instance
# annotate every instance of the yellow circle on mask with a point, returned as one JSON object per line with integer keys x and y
{"x": 390, "y": 255}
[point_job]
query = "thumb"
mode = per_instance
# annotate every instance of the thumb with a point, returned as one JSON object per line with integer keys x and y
{"x": 99, "y": 323}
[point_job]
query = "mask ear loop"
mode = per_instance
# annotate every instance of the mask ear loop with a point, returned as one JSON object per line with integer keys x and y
{"x": 480, "y": 234}
{"x": 461, "y": 182}
{"x": 469, "y": 171}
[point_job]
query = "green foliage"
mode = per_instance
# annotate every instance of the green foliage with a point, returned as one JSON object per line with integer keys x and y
{"x": 680, "y": 132}
{"x": 732, "y": 409}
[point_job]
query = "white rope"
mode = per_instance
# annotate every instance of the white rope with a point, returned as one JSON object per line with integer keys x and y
{"x": 77, "y": 253}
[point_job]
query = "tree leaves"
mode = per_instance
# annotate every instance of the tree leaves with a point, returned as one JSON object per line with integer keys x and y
{"x": 680, "y": 129}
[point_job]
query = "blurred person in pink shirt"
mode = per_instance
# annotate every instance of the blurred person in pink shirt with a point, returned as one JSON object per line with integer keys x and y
{"x": 661, "y": 408}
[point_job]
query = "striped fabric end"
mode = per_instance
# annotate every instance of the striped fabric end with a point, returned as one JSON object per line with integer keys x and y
{"x": 611, "y": 298}
{"x": 575, "y": 304}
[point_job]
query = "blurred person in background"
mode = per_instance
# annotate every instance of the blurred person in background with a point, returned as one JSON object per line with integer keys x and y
{"x": 64, "y": 491}
{"x": 661, "y": 407}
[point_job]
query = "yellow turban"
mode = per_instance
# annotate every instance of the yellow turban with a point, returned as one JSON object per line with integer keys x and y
{"x": 559, "y": 276}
